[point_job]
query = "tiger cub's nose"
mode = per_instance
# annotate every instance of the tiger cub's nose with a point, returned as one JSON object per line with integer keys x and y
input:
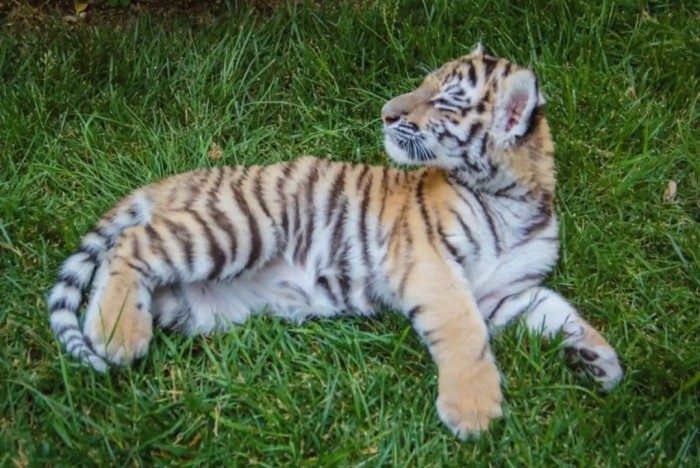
{"x": 402, "y": 105}
{"x": 389, "y": 117}
{"x": 390, "y": 114}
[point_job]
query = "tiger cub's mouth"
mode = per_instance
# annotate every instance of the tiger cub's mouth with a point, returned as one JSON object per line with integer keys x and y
{"x": 405, "y": 144}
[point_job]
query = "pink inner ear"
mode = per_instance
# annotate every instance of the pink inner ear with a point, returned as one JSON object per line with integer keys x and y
{"x": 514, "y": 114}
{"x": 516, "y": 106}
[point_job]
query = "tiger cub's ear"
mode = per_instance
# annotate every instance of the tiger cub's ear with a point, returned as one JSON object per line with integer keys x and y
{"x": 516, "y": 103}
{"x": 480, "y": 49}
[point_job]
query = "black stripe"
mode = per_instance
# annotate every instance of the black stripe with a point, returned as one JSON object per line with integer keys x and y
{"x": 404, "y": 280}
{"x": 451, "y": 249}
{"x": 255, "y": 237}
{"x": 73, "y": 339}
{"x": 296, "y": 220}
{"x": 143, "y": 267}
{"x": 504, "y": 191}
{"x": 499, "y": 304}
{"x": 385, "y": 193}
{"x": 364, "y": 234}
{"x": 155, "y": 242}
{"x": 334, "y": 197}
{"x": 467, "y": 231}
{"x": 489, "y": 220}
{"x": 323, "y": 282}
{"x": 258, "y": 191}
{"x": 60, "y": 304}
{"x": 420, "y": 196}
{"x": 243, "y": 176}
{"x": 295, "y": 226}
{"x": 285, "y": 217}
{"x": 184, "y": 239}
{"x": 60, "y": 331}
{"x": 344, "y": 277}
{"x": 216, "y": 253}
{"x": 92, "y": 255}
{"x": 361, "y": 177}
{"x": 71, "y": 280}
{"x": 133, "y": 213}
{"x": 308, "y": 231}
{"x": 431, "y": 343}
{"x": 533, "y": 306}
{"x": 456, "y": 184}
{"x": 484, "y": 350}
{"x": 339, "y": 227}
{"x": 135, "y": 266}
{"x": 489, "y": 65}
{"x": 297, "y": 289}
{"x": 221, "y": 220}
{"x": 340, "y": 250}
{"x": 530, "y": 277}
{"x": 195, "y": 185}
{"x": 406, "y": 231}
{"x": 471, "y": 74}
{"x": 483, "y": 148}
{"x": 473, "y": 130}
{"x": 506, "y": 70}
{"x": 534, "y": 121}
{"x": 542, "y": 218}
{"x": 530, "y": 306}
{"x": 280, "y": 186}
{"x": 414, "y": 312}
{"x": 470, "y": 164}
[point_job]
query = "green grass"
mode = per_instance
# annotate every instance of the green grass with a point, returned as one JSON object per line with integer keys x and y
{"x": 89, "y": 113}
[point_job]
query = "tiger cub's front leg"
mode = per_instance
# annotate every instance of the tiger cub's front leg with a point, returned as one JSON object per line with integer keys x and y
{"x": 548, "y": 313}
{"x": 444, "y": 313}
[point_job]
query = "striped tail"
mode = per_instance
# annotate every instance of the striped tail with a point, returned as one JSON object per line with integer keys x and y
{"x": 77, "y": 272}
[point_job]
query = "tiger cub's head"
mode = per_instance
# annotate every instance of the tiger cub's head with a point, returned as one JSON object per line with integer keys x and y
{"x": 473, "y": 115}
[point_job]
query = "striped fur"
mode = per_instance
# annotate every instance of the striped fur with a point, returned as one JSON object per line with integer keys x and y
{"x": 459, "y": 245}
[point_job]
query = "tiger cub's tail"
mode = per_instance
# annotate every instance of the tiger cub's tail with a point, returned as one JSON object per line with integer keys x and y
{"x": 77, "y": 272}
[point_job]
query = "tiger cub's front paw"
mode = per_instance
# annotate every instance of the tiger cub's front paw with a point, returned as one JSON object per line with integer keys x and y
{"x": 469, "y": 398}
{"x": 589, "y": 352}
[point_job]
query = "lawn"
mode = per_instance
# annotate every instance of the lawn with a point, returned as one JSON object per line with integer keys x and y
{"x": 90, "y": 111}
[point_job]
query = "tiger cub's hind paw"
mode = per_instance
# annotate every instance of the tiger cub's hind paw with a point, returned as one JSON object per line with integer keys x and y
{"x": 119, "y": 330}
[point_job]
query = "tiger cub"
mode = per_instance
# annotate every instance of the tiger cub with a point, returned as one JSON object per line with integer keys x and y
{"x": 460, "y": 245}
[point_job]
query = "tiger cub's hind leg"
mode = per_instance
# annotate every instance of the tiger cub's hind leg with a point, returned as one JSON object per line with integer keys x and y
{"x": 177, "y": 248}
{"x": 546, "y": 312}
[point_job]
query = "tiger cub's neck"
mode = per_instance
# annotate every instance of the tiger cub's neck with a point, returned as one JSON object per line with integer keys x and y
{"x": 524, "y": 172}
